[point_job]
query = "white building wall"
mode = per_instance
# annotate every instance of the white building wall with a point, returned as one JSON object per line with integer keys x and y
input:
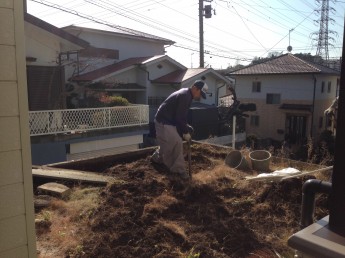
{"x": 41, "y": 45}
{"x": 289, "y": 86}
{"x": 17, "y": 229}
{"x": 125, "y": 77}
{"x": 127, "y": 47}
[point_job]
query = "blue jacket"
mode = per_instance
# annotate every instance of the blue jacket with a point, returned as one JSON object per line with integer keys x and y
{"x": 174, "y": 110}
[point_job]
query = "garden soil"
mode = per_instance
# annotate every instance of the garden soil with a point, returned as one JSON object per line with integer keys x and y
{"x": 149, "y": 213}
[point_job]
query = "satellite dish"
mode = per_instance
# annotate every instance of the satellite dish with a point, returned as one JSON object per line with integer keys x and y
{"x": 289, "y": 48}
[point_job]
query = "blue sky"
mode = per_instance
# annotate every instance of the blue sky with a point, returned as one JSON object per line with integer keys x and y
{"x": 239, "y": 31}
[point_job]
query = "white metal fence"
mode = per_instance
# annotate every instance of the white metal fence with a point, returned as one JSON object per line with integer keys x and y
{"x": 86, "y": 119}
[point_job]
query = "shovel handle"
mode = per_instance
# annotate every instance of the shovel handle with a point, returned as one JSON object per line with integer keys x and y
{"x": 189, "y": 160}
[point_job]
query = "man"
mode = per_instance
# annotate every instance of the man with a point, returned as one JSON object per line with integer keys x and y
{"x": 170, "y": 122}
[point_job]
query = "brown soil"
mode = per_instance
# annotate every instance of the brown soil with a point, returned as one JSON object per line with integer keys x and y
{"x": 149, "y": 213}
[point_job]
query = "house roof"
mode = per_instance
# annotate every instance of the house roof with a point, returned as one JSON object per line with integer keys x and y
{"x": 183, "y": 75}
{"x": 179, "y": 76}
{"x": 55, "y": 30}
{"x": 107, "y": 70}
{"x": 119, "y": 30}
{"x": 113, "y": 87}
{"x": 284, "y": 64}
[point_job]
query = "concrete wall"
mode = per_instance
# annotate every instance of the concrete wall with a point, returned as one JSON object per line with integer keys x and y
{"x": 65, "y": 148}
{"x": 17, "y": 229}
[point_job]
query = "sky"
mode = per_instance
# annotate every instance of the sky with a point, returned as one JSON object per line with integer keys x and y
{"x": 237, "y": 32}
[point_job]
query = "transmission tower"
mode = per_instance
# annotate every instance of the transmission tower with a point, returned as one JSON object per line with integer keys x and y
{"x": 323, "y": 36}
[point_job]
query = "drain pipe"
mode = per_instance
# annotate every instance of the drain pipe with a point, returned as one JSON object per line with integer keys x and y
{"x": 310, "y": 188}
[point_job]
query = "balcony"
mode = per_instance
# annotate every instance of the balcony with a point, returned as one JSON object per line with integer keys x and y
{"x": 70, "y": 121}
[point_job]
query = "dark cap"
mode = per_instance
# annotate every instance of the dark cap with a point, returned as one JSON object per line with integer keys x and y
{"x": 202, "y": 86}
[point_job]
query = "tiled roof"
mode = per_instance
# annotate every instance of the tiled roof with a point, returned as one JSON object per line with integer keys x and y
{"x": 179, "y": 75}
{"x": 55, "y": 30}
{"x": 119, "y": 30}
{"x": 284, "y": 64}
{"x": 96, "y": 74}
{"x": 119, "y": 87}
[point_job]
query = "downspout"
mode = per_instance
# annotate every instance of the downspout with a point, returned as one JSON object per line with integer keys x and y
{"x": 312, "y": 112}
{"x": 309, "y": 189}
{"x": 148, "y": 73}
{"x": 217, "y": 92}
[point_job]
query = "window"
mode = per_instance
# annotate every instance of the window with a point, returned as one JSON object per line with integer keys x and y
{"x": 256, "y": 86}
{"x": 155, "y": 101}
{"x": 272, "y": 98}
{"x": 322, "y": 87}
{"x": 329, "y": 86}
{"x": 254, "y": 120}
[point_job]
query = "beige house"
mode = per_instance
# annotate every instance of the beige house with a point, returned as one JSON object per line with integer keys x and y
{"x": 17, "y": 229}
{"x": 290, "y": 94}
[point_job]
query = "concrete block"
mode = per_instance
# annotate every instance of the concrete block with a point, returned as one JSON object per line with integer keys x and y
{"x": 55, "y": 189}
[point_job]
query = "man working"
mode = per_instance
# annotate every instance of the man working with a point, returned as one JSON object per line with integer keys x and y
{"x": 170, "y": 122}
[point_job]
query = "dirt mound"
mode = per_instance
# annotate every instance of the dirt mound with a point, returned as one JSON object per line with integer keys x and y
{"x": 149, "y": 213}
{"x": 216, "y": 214}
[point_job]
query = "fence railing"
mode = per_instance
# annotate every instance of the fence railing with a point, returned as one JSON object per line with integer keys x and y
{"x": 86, "y": 119}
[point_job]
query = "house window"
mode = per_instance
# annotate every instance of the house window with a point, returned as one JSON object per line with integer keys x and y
{"x": 320, "y": 122}
{"x": 322, "y": 87}
{"x": 256, "y": 86}
{"x": 254, "y": 120}
{"x": 329, "y": 86}
{"x": 272, "y": 98}
{"x": 155, "y": 101}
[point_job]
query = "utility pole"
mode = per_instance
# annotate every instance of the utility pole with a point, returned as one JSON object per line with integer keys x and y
{"x": 208, "y": 14}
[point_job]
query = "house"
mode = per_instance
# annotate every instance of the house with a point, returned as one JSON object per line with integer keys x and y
{"x": 149, "y": 80}
{"x": 45, "y": 46}
{"x": 143, "y": 75}
{"x": 57, "y": 133}
{"x": 117, "y": 61}
{"x": 290, "y": 94}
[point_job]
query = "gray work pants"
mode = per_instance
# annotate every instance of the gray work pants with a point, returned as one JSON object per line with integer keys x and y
{"x": 170, "y": 150}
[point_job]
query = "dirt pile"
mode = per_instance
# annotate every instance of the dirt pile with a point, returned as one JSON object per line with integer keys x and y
{"x": 148, "y": 213}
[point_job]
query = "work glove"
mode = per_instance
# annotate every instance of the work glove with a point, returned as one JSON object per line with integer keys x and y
{"x": 190, "y": 129}
{"x": 187, "y": 137}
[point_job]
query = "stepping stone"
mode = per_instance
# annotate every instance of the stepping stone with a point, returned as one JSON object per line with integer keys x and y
{"x": 55, "y": 189}
{"x": 42, "y": 201}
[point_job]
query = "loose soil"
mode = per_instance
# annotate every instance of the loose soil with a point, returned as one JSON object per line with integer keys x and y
{"x": 147, "y": 212}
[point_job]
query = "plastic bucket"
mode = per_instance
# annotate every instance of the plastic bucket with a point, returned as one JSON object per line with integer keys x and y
{"x": 260, "y": 160}
{"x": 235, "y": 160}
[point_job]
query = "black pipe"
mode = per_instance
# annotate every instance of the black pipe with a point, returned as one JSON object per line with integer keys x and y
{"x": 310, "y": 188}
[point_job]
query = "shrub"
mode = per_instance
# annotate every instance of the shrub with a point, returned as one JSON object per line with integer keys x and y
{"x": 113, "y": 101}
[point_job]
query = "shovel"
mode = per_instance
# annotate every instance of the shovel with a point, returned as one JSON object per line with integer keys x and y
{"x": 189, "y": 159}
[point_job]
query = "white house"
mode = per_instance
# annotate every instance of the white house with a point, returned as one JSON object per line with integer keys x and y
{"x": 59, "y": 134}
{"x": 129, "y": 44}
{"x": 127, "y": 63}
{"x": 46, "y": 45}
{"x": 290, "y": 94}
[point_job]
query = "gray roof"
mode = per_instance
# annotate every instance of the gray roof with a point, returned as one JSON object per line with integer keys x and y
{"x": 284, "y": 64}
